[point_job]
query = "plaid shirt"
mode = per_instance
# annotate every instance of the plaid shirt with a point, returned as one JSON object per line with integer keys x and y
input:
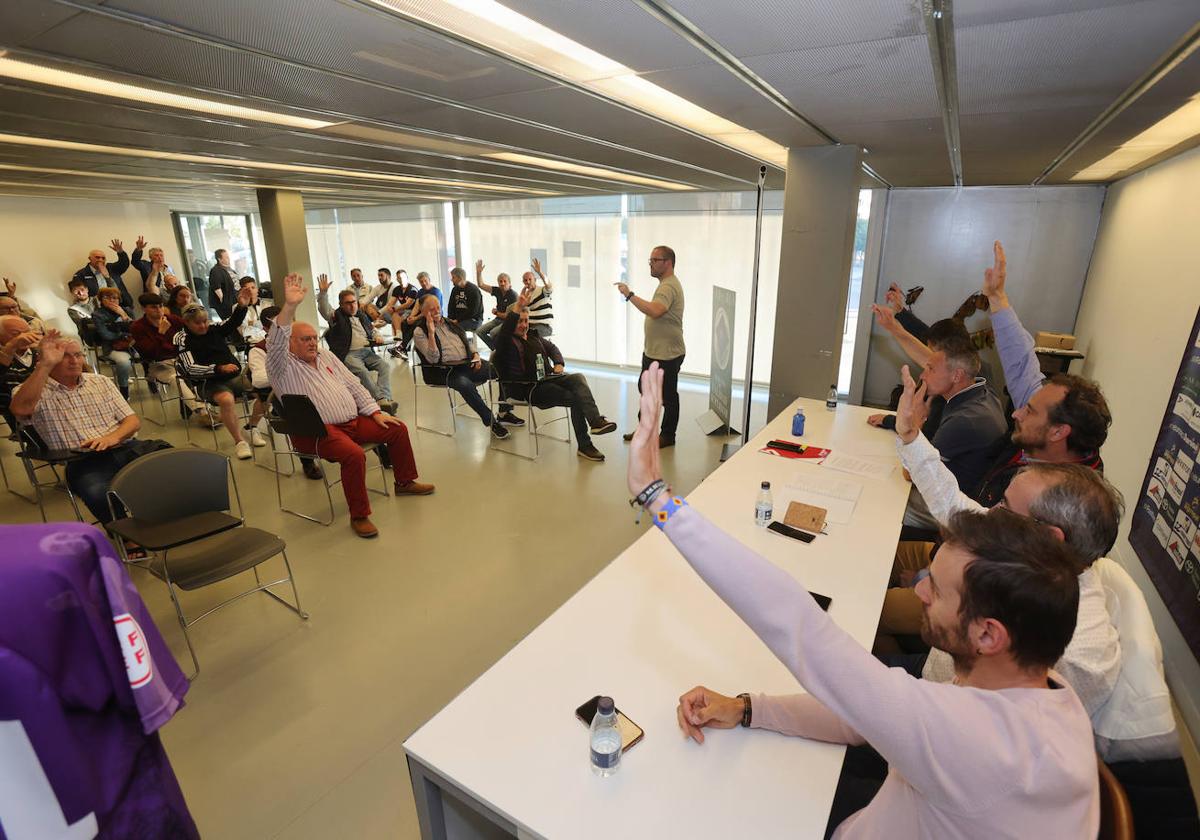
{"x": 66, "y": 417}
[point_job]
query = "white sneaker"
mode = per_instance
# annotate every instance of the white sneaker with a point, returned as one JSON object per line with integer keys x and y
{"x": 242, "y": 450}
{"x": 256, "y": 438}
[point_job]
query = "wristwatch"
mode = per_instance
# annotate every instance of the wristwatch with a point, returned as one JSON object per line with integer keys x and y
{"x": 628, "y": 297}
{"x": 747, "y": 711}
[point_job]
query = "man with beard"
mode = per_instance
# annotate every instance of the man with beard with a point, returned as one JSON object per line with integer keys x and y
{"x": 1006, "y": 751}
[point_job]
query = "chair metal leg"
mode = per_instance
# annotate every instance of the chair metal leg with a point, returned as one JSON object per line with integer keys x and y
{"x": 183, "y": 622}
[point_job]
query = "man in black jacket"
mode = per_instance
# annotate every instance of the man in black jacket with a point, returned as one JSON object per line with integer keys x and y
{"x": 352, "y": 338}
{"x": 97, "y": 274}
{"x": 222, "y": 285}
{"x": 531, "y": 368}
{"x": 466, "y": 302}
{"x": 208, "y": 364}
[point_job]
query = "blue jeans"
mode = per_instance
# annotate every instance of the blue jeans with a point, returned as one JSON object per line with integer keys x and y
{"x": 484, "y": 333}
{"x": 463, "y": 379}
{"x": 362, "y": 362}
{"x": 122, "y": 364}
{"x": 90, "y": 477}
{"x": 470, "y": 324}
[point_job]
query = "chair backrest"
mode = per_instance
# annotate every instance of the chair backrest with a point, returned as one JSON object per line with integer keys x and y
{"x": 302, "y": 417}
{"x": 1136, "y": 722}
{"x": 31, "y": 439}
{"x": 431, "y": 374}
{"x": 173, "y": 483}
{"x": 1116, "y": 817}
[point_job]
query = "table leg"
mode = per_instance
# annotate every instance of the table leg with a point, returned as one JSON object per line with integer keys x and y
{"x": 430, "y": 814}
{"x": 433, "y": 793}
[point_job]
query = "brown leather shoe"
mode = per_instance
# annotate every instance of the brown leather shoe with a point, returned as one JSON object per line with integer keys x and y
{"x": 413, "y": 488}
{"x": 363, "y": 527}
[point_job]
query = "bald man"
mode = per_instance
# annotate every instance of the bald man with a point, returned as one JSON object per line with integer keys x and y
{"x": 97, "y": 273}
{"x": 297, "y": 365}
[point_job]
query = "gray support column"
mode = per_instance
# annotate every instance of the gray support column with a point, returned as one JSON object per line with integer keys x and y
{"x": 455, "y": 212}
{"x": 286, "y": 239}
{"x": 820, "y": 206}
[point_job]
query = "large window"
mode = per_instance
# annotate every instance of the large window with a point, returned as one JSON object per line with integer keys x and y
{"x": 410, "y": 237}
{"x": 203, "y": 234}
{"x": 585, "y": 246}
{"x": 852, "y": 298}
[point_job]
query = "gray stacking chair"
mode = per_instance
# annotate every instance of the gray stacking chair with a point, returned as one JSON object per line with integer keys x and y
{"x": 175, "y": 504}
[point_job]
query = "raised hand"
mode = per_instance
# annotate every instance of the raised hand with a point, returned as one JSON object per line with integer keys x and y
{"x": 623, "y": 289}
{"x": 141, "y": 242}
{"x": 10, "y": 287}
{"x": 323, "y": 282}
{"x": 643, "y": 447}
{"x": 895, "y": 298}
{"x": 885, "y": 318}
{"x": 913, "y": 410}
{"x": 478, "y": 268}
{"x": 995, "y": 277}
{"x": 22, "y": 342}
{"x": 245, "y": 295}
{"x": 117, "y": 246}
{"x": 293, "y": 290}
{"x": 52, "y": 349}
{"x": 537, "y": 267}
{"x": 523, "y": 301}
{"x": 704, "y": 708}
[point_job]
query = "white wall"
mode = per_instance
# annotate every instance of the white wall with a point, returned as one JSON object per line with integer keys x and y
{"x": 43, "y": 241}
{"x": 1136, "y": 316}
{"x": 942, "y": 239}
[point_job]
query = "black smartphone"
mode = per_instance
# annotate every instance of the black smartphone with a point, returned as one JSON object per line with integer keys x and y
{"x": 789, "y": 531}
{"x": 631, "y": 733}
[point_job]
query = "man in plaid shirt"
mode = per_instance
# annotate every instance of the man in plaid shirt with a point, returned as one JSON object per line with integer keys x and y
{"x": 79, "y": 411}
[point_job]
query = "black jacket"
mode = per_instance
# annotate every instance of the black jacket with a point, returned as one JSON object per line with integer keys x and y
{"x": 516, "y": 359}
{"x": 115, "y": 270}
{"x": 199, "y": 355}
{"x": 220, "y": 278}
{"x": 339, "y": 332}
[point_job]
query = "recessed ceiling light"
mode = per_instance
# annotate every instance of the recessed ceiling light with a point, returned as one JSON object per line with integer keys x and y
{"x": 358, "y": 174}
{"x": 54, "y": 77}
{"x": 600, "y": 172}
{"x": 510, "y": 33}
{"x": 83, "y": 173}
{"x": 1180, "y": 125}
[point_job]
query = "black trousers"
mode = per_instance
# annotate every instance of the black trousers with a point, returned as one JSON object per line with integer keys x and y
{"x": 670, "y": 367}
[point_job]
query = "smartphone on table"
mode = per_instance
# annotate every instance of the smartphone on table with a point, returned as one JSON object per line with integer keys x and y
{"x": 631, "y": 733}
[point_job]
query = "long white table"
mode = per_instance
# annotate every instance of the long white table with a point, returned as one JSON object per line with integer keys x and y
{"x": 645, "y": 630}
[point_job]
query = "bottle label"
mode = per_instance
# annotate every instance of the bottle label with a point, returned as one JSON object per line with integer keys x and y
{"x": 606, "y": 760}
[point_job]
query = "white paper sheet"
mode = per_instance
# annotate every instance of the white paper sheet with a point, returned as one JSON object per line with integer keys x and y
{"x": 860, "y": 465}
{"x": 838, "y": 496}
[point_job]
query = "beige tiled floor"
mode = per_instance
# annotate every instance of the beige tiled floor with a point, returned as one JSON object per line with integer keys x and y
{"x": 295, "y": 728}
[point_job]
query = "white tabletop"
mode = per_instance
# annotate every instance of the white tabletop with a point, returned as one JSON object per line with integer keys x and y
{"x": 645, "y": 630}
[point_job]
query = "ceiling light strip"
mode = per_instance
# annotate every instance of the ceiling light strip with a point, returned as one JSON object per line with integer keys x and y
{"x": 939, "y": 31}
{"x": 581, "y": 169}
{"x": 46, "y": 142}
{"x": 56, "y": 77}
{"x": 215, "y": 42}
{"x": 502, "y": 33}
{"x": 1169, "y": 60}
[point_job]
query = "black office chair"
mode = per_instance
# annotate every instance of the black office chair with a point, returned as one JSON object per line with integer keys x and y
{"x": 531, "y": 426}
{"x": 435, "y": 376}
{"x": 35, "y": 455}
{"x": 296, "y": 416}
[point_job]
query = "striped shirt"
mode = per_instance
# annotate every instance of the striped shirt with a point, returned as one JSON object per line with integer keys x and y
{"x": 540, "y": 309}
{"x": 66, "y": 417}
{"x": 336, "y": 392}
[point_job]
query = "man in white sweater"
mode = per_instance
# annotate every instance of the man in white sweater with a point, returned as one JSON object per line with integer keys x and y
{"x": 1004, "y": 751}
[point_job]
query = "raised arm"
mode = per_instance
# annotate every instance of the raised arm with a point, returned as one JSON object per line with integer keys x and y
{"x": 323, "y": 297}
{"x": 479, "y": 276}
{"x": 280, "y": 335}
{"x": 915, "y": 350}
{"x": 25, "y": 399}
{"x": 1022, "y": 371}
{"x": 537, "y": 269}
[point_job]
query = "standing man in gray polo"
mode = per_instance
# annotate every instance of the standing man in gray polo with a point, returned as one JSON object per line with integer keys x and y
{"x": 664, "y": 335}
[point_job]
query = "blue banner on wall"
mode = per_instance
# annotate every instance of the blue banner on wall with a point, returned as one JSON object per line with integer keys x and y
{"x": 1166, "y": 523}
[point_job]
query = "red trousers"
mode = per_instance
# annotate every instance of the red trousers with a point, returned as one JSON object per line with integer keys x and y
{"x": 342, "y": 445}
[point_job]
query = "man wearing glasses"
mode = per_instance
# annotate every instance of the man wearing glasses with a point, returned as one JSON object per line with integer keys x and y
{"x": 664, "y": 335}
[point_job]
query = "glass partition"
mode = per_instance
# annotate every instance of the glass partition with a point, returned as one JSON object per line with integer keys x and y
{"x": 412, "y": 237}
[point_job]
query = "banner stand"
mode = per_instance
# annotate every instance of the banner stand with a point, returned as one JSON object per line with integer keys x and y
{"x": 730, "y": 448}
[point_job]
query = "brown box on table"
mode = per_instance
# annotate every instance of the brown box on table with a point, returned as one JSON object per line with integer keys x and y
{"x": 1054, "y": 341}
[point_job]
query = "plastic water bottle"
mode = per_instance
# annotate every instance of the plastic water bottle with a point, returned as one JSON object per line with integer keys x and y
{"x": 605, "y": 739}
{"x": 539, "y": 370}
{"x": 798, "y": 423}
{"x": 831, "y": 398}
{"x": 764, "y": 507}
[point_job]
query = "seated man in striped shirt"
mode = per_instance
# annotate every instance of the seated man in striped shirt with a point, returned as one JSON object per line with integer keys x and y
{"x": 297, "y": 365}
{"x": 75, "y": 410}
